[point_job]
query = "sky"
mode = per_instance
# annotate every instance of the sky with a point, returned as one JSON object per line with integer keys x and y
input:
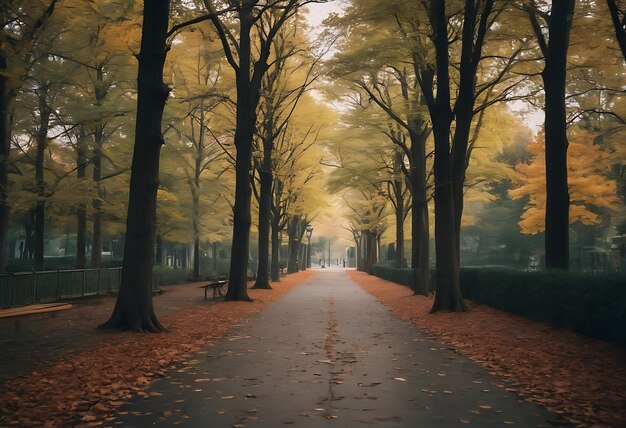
{"x": 332, "y": 224}
{"x": 319, "y": 11}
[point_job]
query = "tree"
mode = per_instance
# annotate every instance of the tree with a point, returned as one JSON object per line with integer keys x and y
{"x": 199, "y": 92}
{"x": 282, "y": 88}
{"x": 267, "y": 18}
{"x": 133, "y": 308}
{"x": 588, "y": 183}
{"x": 392, "y": 86}
{"x": 618, "y": 17}
{"x": 554, "y": 48}
{"x": 16, "y": 59}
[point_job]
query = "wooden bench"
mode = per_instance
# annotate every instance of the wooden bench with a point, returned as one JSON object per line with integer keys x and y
{"x": 216, "y": 286}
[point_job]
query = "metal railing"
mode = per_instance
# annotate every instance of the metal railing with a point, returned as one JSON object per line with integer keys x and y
{"x": 25, "y": 288}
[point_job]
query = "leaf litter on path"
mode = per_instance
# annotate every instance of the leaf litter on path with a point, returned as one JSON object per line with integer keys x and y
{"x": 581, "y": 378}
{"x": 105, "y": 377}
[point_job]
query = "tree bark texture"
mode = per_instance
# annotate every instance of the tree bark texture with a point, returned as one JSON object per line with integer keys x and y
{"x": 81, "y": 211}
{"x": 448, "y": 292}
{"x": 96, "y": 236}
{"x": 195, "y": 193}
{"x": 471, "y": 50}
{"x": 247, "y": 100}
{"x": 5, "y": 148}
{"x": 133, "y": 309}
{"x": 265, "y": 206}
{"x": 275, "y": 265}
{"x": 619, "y": 24}
{"x": 420, "y": 233}
{"x": 292, "y": 232}
{"x": 398, "y": 192}
{"x": 40, "y": 208}
{"x": 557, "y": 192}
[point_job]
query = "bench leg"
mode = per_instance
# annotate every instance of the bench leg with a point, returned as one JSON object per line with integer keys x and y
{"x": 219, "y": 290}
{"x": 205, "y": 293}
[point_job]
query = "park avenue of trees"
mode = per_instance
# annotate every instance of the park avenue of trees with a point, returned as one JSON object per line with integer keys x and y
{"x": 146, "y": 126}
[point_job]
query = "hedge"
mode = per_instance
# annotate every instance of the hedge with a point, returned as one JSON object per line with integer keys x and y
{"x": 591, "y": 305}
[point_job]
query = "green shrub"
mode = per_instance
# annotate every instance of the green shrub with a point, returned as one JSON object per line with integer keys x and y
{"x": 592, "y": 305}
{"x": 402, "y": 276}
{"x": 165, "y": 275}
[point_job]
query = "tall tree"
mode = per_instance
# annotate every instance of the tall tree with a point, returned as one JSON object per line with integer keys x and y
{"x": 554, "y": 47}
{"x": 448, "y": 294}
{"x": 282, "y": 89}
{"x": 384, "y": 78}
{"x": 17, "y": 47}
{"x": 200, "y": 90}
{"x": 133, "y": 308}
{"x": 266, "y": 18}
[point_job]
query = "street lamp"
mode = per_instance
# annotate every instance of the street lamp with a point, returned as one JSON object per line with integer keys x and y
{"x": 309, "y": 232}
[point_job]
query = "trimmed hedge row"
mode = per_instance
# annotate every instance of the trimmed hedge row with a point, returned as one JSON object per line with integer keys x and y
{"x": 592, "y": 305}
{"x": 402, "y": 276}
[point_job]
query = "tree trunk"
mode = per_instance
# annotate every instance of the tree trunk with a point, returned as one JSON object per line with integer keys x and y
{"x": 195, "y": 215}
{"x": 399, "y": 208}
{"x": 420, "y": 234}
{"x": 448, "y": 292}
{"x": 96, "y": 237}
{"x": 40, "y": 209}
{"x": 195, "y": 194}
{"x": 196, "y": 259}
{"x": 5, "y": 148}
{"x": 247, "y": 100}
{"x": 275, "y": 265}
{"x": 133, "y": 308}
{"x": 214, "y": 257}
{"x": 81, "y": 210}
{"x": 359, "y": 253}
{"x": 292, "y": 232}
{"x": 619, "y": 24}
{"x": 557, "y": 193}
{"x": 471, "y": 50}
{"x": 265, "y": 206}
{"x": 370, "y": 252}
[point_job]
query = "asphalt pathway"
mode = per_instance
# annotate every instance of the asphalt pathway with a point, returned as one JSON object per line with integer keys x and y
{"x": 329, "y": 355}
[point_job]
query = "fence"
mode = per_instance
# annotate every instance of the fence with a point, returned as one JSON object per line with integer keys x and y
{"x": 24, "y": 288}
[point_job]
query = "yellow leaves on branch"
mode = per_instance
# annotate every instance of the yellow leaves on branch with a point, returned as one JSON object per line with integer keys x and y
{"x": 590, "y": 188}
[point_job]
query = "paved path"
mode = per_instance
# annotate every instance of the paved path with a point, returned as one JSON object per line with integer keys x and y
{"x": 329, "y": 355}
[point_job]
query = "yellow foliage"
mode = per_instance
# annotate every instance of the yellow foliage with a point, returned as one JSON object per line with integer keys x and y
{"x": 589, "y": 187}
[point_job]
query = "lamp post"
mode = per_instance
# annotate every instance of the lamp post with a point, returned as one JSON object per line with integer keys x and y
{"x": 329, "y": 253}
{"x": 309, "y": 232}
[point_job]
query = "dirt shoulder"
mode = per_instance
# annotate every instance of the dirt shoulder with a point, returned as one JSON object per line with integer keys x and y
{"x": 581, "y": 378}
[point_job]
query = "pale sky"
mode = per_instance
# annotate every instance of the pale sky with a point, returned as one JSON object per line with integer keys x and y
{"x": 319, "y": 11}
